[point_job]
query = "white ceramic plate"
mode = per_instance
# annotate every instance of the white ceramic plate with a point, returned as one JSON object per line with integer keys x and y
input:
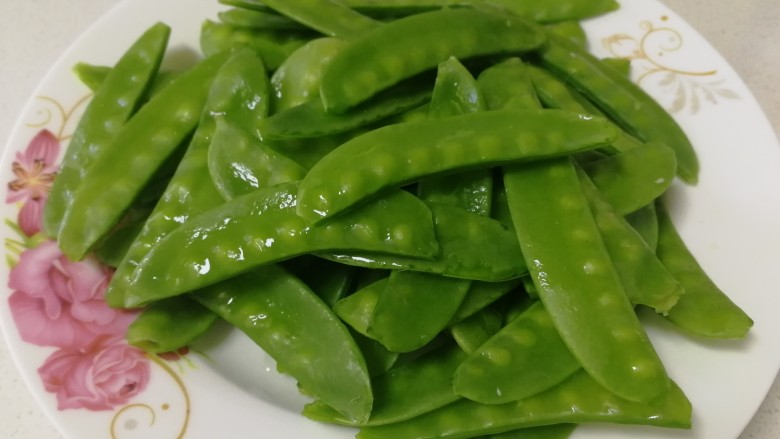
{"x": 730, "y": 220}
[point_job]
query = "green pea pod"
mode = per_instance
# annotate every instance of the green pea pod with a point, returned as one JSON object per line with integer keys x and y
{"x": 169, "y": 325}
{"x": 576, "y": 280}
{"x": 188, "y": 192}
{"x": 112, "y": 250}
{"x": 622, "y": 100}
{"x": 272, "y": 46}
{"x": 471, "y": 247}
{"x": 622, "y": 65}
{"x": 633, "y": 179}
{"x": 405, "y": 391}
{"x": 91, "y": 75}
{"x": 571, "y": 30}
{"x": 329, "y": 17}
{"x": 378, "y": 359}
{"x": 279, "y": 313}
{"x": 310, "y": 119}
{"x": 138, "y": 149}
{"x": 473, "y": 332}
{"x": 480, "y": 295}
{"x": 644, "y": 278}
{"x": 645, "y": 222}
{"x": 414, "y": 308}
{"x": 297, "y": 80}
{"x": 579, "y": 399}
{"x": 524, "y": 358}
{"x": 114, "y": 102}
{"x": 262, "y": 228}
{"x": 240, "y": 163}
{"x": 551, "y": 11}
{"x": 260, "y": 20}
{"x": 554, "y": 431}
{"x": 704, "y": 309}
{"x": 506, "y": 86}
{"x": 400, "y": 49}
{"x": 399, "y": 154}
{"x": 357, "y": 309}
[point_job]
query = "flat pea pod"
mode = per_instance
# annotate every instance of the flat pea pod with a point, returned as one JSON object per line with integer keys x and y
{"x": 240, "y": 163}
{"x": 645, "y": 222}
{"x": 405, "y": 391}
{"x": 622, "y": 100}
{"x": 474, "y": 331}
{"x": 551, "y": 11}
{"x": 329, "y": 17}
{"x": 554, "y": 431}
{"x": 297, "y": 80}
{"x": 399, "y": 154}
{"x": 579, "y": 399}
{"x": 506, "y": 86}
{"x": 285, "y": 318}
{"x": 272, "y": 46}
{"x": 704, "y": 310}
{"x": 400, "y": 49}
{"x": 471, "y": 247}
{"x": 115, "y": 101}
{"x": 189, "y": 191}
{"x": 357, "y": 309}
{"x": 93, "y": 76}
{"x": 137, "y": 150}
{"x": 260, "y": 20}
{"x": 644, "y": 278}
{"x": 262, "y": 228}
{"x": 310, "y": 119}
{"x": 633, "y": 179}
{"x": 168, "y": 325}
{"x": 524, "y": 358}
{"x": 482, "y": 294}
{"x": 413, "y": 308}
{"x": 576, "y": 280}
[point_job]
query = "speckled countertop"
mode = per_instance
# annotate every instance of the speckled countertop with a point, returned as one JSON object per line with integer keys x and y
{"x": 34, "y": 32}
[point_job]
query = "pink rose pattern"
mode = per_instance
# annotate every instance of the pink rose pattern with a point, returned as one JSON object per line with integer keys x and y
{"x": 60, "y": 303}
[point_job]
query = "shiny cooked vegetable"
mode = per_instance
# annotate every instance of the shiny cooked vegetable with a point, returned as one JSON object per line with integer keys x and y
{"x": 437, "y": 216}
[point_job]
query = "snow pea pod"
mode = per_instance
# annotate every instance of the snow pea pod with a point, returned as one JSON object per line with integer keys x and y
{"x": 188, "y": 192}
{"x": 260, "y": 20}
{"x": 272, "y": 46}
{"x": 579, "y": 399}
{"x": 279, "y": 313}
{"x": 403, "y": 48}
{"x": 405, "y": 391}
{"x": 310, "y": 119}
{"x": 471, "y": 247}
{"x": 633, "y": 179}
{"x": 115, "y": 101}
{"x": 108, "y": 187}
{"x": 297, "y": 80}
{"x": 550, "y": 11}
{"x": 168, "y": 325}
{"x": 524, "y": 358}
{"x": 554, "y": 431}
{"x": 329, "y": 17}
{"x": 645, "y": 222}
{"x": 474, "y": 331}
{"x": 481, "y": 295}
{"x": 399, "y": 154}
{"x": 93, "y": 76}
{"x": 622, "y": 100}
{"x": 576, "y": 280}
{"x": 571, "y": 30}
{"x": 262, "y": 228}
{"x": 357, "y": 309}
{"x": 704, "y": 309}
{"x": 506, "y": 86}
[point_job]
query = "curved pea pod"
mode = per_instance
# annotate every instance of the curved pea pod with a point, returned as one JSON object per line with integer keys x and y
{"x": 91, "y": 75}
{"x": 357, "y": 309}
{"x": 272, "y": 46}
{"x": 239, "y": 163}
{"x": 329, "y": 17}
{"x": 310, "y": 119}
{"x": 579, "y": 399}
{"x": 645, "y": 222}
{"x": 115, "y": 101}
{"x": 399, "y": 154}
{"x": 136, "y": 152}
{"x": 405, "y": 391}
{"x": 633, "y": 179}
{"x": 704, "y": 309}
{"x": 262, "y": 228}
{"x": 473, "y": 332}
{"x": 644, "y": 278}
{"x": 189, "y": 191}
{"x": 403, "y": 48}
{"x": 524, "y": 358}
{"x": 168, "y": 325}
{"x": 414, "y": 308}
{"x": 551, "y": 11}
{"x": 260, "y": 20}
{"x": 576, "y": 280}
{"x": 471, "y": 247}
{"x": 480, "y": 295}
{"x": 622, "y": 100}
{"x": 297, "y": 80}
{"x": 279, "y": 313}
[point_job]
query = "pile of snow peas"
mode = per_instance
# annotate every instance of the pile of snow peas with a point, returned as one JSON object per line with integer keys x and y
{"x": 438, "y": 216}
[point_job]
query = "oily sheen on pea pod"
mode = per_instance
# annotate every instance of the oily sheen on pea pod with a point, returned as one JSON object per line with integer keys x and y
{"x": 402, "y": 153}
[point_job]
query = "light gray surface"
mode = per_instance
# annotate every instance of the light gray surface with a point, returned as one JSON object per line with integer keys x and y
{"x": 34, "y": 32}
